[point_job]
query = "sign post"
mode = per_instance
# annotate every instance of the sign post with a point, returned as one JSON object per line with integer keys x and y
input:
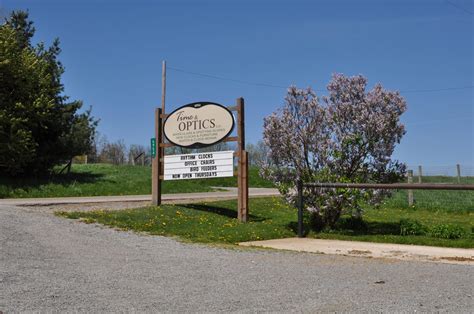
{"x": 199, "y": 125}
{"x": 156, "y": 162}
{"x": 242, "y": 155}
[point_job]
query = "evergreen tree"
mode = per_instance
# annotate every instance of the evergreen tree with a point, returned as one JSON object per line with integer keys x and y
{"x": 39, "y": 127}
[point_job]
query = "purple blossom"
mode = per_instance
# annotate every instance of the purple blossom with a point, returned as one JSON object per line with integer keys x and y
{"x": 347, "y": 136}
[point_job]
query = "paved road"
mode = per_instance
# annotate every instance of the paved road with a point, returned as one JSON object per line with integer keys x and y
{"x": 229, "y": 193}
{"x": 52, "y": 263}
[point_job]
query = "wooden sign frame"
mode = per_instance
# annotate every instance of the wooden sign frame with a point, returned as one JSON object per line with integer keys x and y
{"x": 240, "y": 153}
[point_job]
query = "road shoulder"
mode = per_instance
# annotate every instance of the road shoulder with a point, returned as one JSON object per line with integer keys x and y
{"x": 370, "y": 250}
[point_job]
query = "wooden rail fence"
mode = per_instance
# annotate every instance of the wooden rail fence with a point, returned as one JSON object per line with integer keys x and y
{"x": 378, "y": 186}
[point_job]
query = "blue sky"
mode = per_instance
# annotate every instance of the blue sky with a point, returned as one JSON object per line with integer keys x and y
{"x": 112, "y": 51}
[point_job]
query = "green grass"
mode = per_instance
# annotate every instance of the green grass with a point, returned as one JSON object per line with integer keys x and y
{"x": 446, "y": 201}
{"x": 436, "y": 200}
{"x": 105, "y": 179}
{"x": 271, "y": 218}
{"x": 383, "y": 225}
{"x": 212, "y": 222}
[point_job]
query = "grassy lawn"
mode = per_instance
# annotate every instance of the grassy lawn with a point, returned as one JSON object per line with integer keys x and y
{"x": 449, "y": 201}
{"x": 447, "y": 212}
{"x": 105, "y": 179}
{"x": 271, "y": 218}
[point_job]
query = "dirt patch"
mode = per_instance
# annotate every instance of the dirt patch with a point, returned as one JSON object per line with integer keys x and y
{"x": 51, "y": 208}
{"x": 397, "y": 253}
{"x": 385, "y": 251}
{"x": 458, "y": 258}
{"x": 359, "y": 252}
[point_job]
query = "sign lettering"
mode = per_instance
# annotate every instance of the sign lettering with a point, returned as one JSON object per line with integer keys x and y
{"x": 198, "y": 125}
{"x": 200, "y": 165}
{"x": 153, "y": 147}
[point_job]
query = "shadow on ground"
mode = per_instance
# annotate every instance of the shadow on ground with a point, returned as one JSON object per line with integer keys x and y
{"x": 294, "y": 227}
{"x": 221, "y": 211}
{"x": 353, "y": 226}
{"x": 28, "y": 183}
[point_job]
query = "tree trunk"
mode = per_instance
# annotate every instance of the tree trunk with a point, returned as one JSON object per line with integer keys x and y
{"x": 331, "y": 216}
{"x": 69, "y": 166}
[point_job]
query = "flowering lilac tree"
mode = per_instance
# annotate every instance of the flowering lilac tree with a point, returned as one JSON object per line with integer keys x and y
{"x": 347, "y": 136}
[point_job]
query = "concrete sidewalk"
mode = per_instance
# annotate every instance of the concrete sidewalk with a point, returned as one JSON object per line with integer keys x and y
{"x": 370, "y": 250}
{"x": 230, "y": 193}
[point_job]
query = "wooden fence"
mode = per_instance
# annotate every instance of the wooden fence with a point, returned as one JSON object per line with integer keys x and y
{"x": 379, "y": 186}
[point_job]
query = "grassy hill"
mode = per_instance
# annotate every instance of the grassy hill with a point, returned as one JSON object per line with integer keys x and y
{"x": 105, "y": 179}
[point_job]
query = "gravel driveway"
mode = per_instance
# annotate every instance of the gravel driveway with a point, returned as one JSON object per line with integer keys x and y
{"x": 52, "y": 263}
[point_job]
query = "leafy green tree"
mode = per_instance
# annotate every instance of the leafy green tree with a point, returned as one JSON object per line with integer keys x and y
{"x": 39, "y": 128}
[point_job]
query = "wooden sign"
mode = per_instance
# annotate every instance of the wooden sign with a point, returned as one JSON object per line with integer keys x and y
{"x": 198, "y": 125}
{"x": 199, "y": 166}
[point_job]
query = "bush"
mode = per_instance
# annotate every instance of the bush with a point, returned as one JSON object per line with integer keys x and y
{"x": 353, "y": 224}
{"x": 347, "y": 136}
{"x": 447, "y": 231}
{"x": 411, "y": 227}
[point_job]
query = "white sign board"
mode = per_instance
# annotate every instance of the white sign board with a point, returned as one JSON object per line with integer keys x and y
{"x": 199, "y": 166}
{"x": 199, "y": 124}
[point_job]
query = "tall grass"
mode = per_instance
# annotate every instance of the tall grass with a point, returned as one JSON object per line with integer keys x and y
{"x": 436, "y": 200}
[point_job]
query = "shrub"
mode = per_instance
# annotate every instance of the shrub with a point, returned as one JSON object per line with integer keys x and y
{"x": 353, "y": 224}
{"x": 347, "y": 136}
{"x": 411, "y": 227}
{"x": 447, "y": 231}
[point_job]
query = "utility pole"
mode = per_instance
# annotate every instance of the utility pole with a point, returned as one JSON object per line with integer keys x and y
{"x": 158, "y": 159}
{"x": 163, "y": 86}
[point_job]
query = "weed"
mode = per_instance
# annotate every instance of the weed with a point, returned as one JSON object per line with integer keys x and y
{"x": 447, "y": 231}
{"x": 411, "y": 227}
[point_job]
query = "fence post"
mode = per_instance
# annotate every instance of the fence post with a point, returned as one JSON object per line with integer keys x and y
{"x": 242, "y": 176}
{"x": 458, "y": 170}
{"x": 420, "y": 173}
{"x": 299, "y": 186}
{"x": 410, "y": 192}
